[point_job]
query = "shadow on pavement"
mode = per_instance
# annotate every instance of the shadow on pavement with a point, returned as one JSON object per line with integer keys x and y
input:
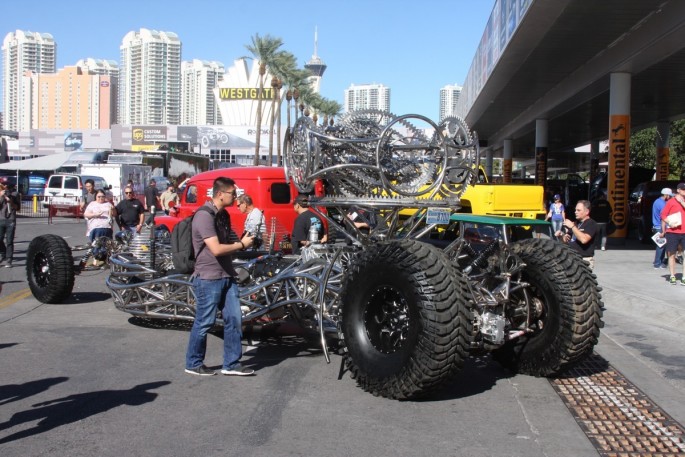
{"x": 77, "y": 298}
{"x": 14, "y": 392}
{"x": 73, "y": 408}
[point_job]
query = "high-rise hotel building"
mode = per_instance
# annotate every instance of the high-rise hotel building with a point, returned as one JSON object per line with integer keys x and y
{"x": 71, "y": 98}
{"x": 367, "y": 96}
{"x": 150, "y": 78}
{"x": 23, "y": 52}
{"x": 199, "y": 105}
{"x": 449, "y": 96}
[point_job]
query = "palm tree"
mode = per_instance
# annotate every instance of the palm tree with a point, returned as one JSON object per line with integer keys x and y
{"x": 298, "y": 83}
{"x": 330, "y": 109}
{"x": 263, "y": 50}
{"x": 283, "y": 67}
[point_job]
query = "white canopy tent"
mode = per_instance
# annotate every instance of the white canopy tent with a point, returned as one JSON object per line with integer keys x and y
{"x": 44, "y": 163}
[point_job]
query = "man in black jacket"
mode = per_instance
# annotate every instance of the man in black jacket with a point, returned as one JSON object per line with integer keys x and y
{"x": 9, "y": 204}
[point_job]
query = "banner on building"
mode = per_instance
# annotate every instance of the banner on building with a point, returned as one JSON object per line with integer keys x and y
{"x": 663, "y": 156}
{"x": 617, "y": 184}
{"x": 246, "y": 93}
{"x": 506, "y": 170}
{"x": 148, "y": 135}
{"x": 540, "y": 166}
{"x": 73, "y": 141}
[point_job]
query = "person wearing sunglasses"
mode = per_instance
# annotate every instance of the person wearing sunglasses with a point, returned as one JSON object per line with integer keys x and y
{"x": 129, "y": 212}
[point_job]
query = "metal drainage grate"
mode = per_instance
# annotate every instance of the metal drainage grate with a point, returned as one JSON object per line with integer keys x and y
{"x": 618, "y": 418}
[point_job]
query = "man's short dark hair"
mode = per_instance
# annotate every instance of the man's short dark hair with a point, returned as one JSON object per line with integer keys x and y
{"x": 586, "y": 204}
{"x": 222, "y": 184}
{"x": 91, "y": 182}
{"x": 152, "y": 181}
{"x": 302, "y": 200}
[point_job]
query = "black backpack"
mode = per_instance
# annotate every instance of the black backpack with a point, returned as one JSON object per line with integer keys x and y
{"x": 182, "y": 252}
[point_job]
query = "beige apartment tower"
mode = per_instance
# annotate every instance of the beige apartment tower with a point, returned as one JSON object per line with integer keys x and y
{"x": 71, "y": 99}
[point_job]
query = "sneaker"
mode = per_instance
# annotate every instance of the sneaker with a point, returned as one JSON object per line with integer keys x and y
{"x": 201, "y": 371}
{"x": 7, "y": 265}
{"x": 664, "y": 265}
{"x": 603, "y": 248}
{"x": 672, "y": 280}
{"x": 682, "y": 282}
{"x": 656, "y": 267}
{"x": 237, "y": 371}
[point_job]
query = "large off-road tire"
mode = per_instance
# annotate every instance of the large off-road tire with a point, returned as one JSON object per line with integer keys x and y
{"x": 404, "y": 324}
{"x": 50, "y": 268}
{"x": 571, "y": 313}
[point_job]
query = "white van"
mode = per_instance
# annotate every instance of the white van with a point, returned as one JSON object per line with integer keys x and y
{"x": 68, "y": 189}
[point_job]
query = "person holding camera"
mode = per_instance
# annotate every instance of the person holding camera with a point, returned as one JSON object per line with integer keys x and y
{"x": 254, "y": 223}
{"x": 580, "y": 234}
{"x": 9, "y": 204}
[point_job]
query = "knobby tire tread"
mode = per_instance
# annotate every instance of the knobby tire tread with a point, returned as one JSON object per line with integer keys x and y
{"x": 56, "y": 252}
{"x": 574, "y": 318}
{"x": 442, "y": 297}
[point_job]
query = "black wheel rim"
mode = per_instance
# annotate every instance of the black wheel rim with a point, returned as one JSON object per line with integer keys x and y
{"x": 387, "y": 320}
{"x": 41, "y": 270}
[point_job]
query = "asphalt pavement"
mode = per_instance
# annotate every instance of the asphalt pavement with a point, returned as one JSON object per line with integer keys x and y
{"x": 124, "y": 391}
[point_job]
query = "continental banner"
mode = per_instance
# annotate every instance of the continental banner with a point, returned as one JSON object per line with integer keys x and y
{"x": 617, "y": 186}
{"x": 506, "y": 170}
{"x": 662, "y": 159}
{"x": 540, "y": 166}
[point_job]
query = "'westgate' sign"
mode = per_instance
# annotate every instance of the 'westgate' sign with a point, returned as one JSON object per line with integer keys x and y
{"x": 245, "y": 93}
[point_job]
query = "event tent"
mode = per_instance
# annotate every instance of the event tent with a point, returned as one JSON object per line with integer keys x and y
{"x": 43, "y": 163}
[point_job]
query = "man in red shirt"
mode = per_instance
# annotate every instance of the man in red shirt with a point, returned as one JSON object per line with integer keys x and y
{"x": 674, "y": 230}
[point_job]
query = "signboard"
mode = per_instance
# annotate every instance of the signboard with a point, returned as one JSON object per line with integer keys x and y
{"x": 540, "y": 166}
{"x": 617, "y": 186}
{"x": 73, "y": 141}
{"x": 144, "y": 135}
{"x": 246, "y": 93}
{"x": 438, "y": 216}
{"x": 662, "y": 161}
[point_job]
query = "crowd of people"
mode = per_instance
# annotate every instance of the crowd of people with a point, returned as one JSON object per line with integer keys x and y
{"x": 586, "y": 231}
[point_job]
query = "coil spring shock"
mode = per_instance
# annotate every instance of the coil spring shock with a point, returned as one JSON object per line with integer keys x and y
{"x": 481, "y": 260}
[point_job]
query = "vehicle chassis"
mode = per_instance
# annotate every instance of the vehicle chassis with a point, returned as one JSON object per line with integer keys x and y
{"x": 404, "y": 314}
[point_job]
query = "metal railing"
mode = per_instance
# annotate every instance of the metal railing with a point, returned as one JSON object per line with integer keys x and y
{"x": 51, "y": 207}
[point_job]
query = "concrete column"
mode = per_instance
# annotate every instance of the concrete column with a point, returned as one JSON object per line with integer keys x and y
{"x": 488, "y": 164}
{"x": 541, "y": 142}
{"x": 662, "y": 150}
{"x": 507, "y": 161}
{"x": 619, "y": 152}
{"x": 594, "y": 160}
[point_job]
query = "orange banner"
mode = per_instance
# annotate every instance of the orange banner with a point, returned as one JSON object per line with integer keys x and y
{"x": 506, "y": 170}
{"x": 617, "y": 185}
{"x": 540, "y": 166}
{"x": 662, "y": 159}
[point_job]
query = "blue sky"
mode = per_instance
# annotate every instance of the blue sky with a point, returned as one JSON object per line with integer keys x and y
{"x": 415, "y": 48}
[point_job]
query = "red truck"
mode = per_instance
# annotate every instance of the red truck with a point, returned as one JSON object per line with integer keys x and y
{"x": 266, "y": 185}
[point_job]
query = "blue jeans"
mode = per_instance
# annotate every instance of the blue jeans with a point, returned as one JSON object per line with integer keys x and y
{"x": 213, "y": 294}
{"x": 98, "y": 232}
{"x": 556, "y": 225}
{"x": 7, "y": 227}
{"x": 660, "y": 254}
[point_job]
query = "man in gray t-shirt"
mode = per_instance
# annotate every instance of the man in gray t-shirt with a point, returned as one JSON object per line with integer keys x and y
{"x": 215, "y": 285}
